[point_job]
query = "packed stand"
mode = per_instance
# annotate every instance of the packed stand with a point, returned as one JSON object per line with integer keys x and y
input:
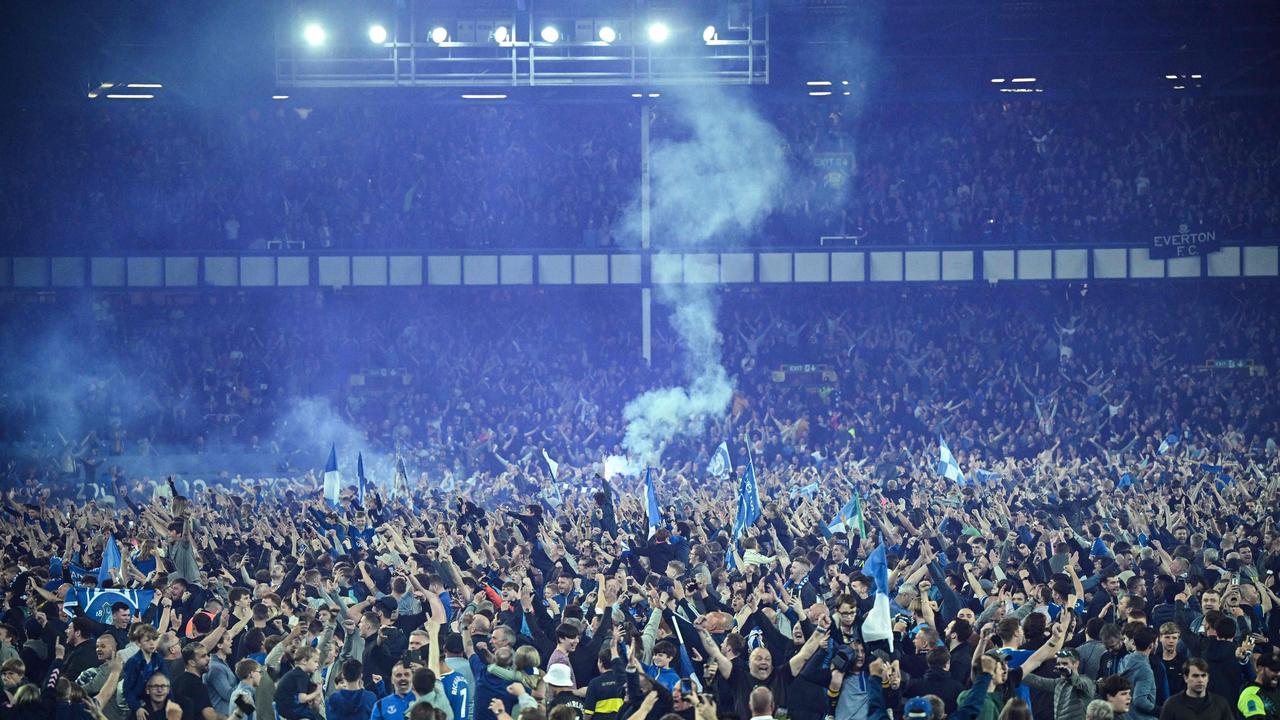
{"x": 1109, "y": 551}
{"x": 536, "y": 176}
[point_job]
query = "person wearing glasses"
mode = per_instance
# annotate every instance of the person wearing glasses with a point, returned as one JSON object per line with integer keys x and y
{"x": 156, "y": 704}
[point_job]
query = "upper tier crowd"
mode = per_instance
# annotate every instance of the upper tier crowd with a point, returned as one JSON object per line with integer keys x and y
{"x": 141, "y": 177}
{"x": 1110, "y": 551}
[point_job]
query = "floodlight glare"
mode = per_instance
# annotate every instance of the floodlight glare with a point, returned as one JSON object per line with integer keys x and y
{"x": 314, "y": 35}
{"x": 439, "y": 35}
{"x": 659, "y": 32}
{"x": 377, "y": 34}
{"x": 500, "y": 34}
{"x": 550, "y": 34}
{"x": 608, "y": 34}
{"x": 709, "y": 33}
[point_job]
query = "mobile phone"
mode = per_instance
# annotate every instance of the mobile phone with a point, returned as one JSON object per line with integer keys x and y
{"x": 686, "y": 686}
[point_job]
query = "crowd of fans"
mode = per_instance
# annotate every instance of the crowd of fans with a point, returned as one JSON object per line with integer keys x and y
{"x": 1110, "y": 552}
{"x": 537, "y": 176}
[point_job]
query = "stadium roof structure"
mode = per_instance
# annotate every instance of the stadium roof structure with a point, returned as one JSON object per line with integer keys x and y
{"x": 439, "y": 49}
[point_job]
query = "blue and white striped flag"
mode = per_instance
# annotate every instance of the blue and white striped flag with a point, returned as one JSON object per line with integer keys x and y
{"x": 332, "y": 479}
{"x": 947, "y": 465}
{"x": 720, "y": 464}
{"x": 651, "y": 502}
{"x": 1170, "y": 442}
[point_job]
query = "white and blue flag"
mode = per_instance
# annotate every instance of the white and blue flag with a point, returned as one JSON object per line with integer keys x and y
{"x": 361, "y": 482}
{"x": 552, "y": 465}
{"x": 878, "y": 625}
{"x": 720, "y": 464}
{"x": 947, "y": 465}
{"x": 96, "y": 603}
{"x": 1170, "y": 442}
{"x": 651, "y": 502}
{"x": 332, "y": 479}
{"x": 110, "y": 559}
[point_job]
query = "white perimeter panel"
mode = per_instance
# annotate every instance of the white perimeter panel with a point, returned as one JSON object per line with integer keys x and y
{"x": 625, "y": 269}
{"x": 69, "y": 271}
{"x": 516, "y": 269}
{"x": 1035, "y": 264}
{"x": 107, "y": 271}
{"x": 444, "y": 270}
{"x": 555, "y": 269}
{"x": 370, "y": 270}
{"x": 957, "y": 265}
{"x": 1071, "y": 264}
{"x": 813, "y": 267}
{"x": 590, "y": 269}
{"x": 480, "y": 270}
{"x": 1260, "y": 261}
{"x": 775, "y": 267}
{"x": 737, "y": 267}
{"x": 146, "y": 271}
{"x": 1142, "y": 266}
{"x": 334, "y": 271}
{"x": 1184, "y": 267}
{"x": 257, "y": 271}
{"x": 848, "y": 267}
{"x": 702, "y": 268}
{"x": 997, "y": 265}
{"x": 1225, "y": 262}
{"x": 221, "y": 271}
{"x": 30, "y": 272}
{"x": 293, "y": 271}
{"x": 886, "y": 267}
{"x": 922, "y": 265}
{"x": 666, "y": 268}
{"x": 1110, "y": 263}
{"x": 181, "y": 271}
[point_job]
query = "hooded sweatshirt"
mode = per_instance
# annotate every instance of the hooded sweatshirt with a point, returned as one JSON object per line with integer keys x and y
{"x": 350, "y": 705}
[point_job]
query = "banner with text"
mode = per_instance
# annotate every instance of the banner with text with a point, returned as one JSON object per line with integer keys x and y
{"x": 1186, "y": 242}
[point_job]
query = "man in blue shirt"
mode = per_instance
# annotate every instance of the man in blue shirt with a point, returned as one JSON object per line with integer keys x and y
{"x": 394, "y": 706}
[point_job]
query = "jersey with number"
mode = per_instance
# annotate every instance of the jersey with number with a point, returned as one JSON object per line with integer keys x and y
{"x": 458, "y": 692}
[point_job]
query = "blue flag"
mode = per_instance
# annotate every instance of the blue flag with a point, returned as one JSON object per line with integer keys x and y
{"x": 1170, "y": 442}
{"x": 96, "y": 603}
{"x": 361, "y": 482}
{"x": 651, "y": 502}
{"x": 1126, "y": 481}
{"x": 749, "y": 509}
{"x": 110, "y": 559}
{"x": 332, "y": 480}
{"x": 986, "y": 476}
{"x": 878, "y": 625}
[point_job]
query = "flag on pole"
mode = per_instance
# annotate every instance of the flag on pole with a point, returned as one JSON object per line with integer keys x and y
{"x": 552, "y": 465}
{"x": 720, "y": 464}
{"x": 1170, "y": 442}
{"x": 651, "y": 502}
{"x": 95, "y": 603}
{"x": 878, "y": 625}
{"x": 110, "y": 559}
{"x": 361, "y": 481}
{"x": 748, "y": 501}
{"x": 332, "y": 480}
{"x": 850, "y": 518}
{"x": 947, "y": 465}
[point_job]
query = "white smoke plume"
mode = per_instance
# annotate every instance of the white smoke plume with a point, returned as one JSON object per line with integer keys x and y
{"x": 715, "y": 184}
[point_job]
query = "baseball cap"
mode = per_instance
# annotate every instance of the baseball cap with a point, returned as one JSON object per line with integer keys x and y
{"x": 917, "y": 707}
{"x": 559, "y": 675}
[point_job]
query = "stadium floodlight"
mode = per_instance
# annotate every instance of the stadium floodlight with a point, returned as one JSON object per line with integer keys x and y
{"x": 377, "y": 34}
{"x": 550, "y": 34}
{"x": 608, "y": 34}
{"x": 314, "y": 34}
{"x": 709, "y": 34}
{"x": 659, "y": 32}
{"x": 500, "y": 34}
{"x": 439, "y": 35}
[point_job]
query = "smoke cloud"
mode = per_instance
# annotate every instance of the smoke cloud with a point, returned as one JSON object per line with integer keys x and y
{"x": 713, "y": 184}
